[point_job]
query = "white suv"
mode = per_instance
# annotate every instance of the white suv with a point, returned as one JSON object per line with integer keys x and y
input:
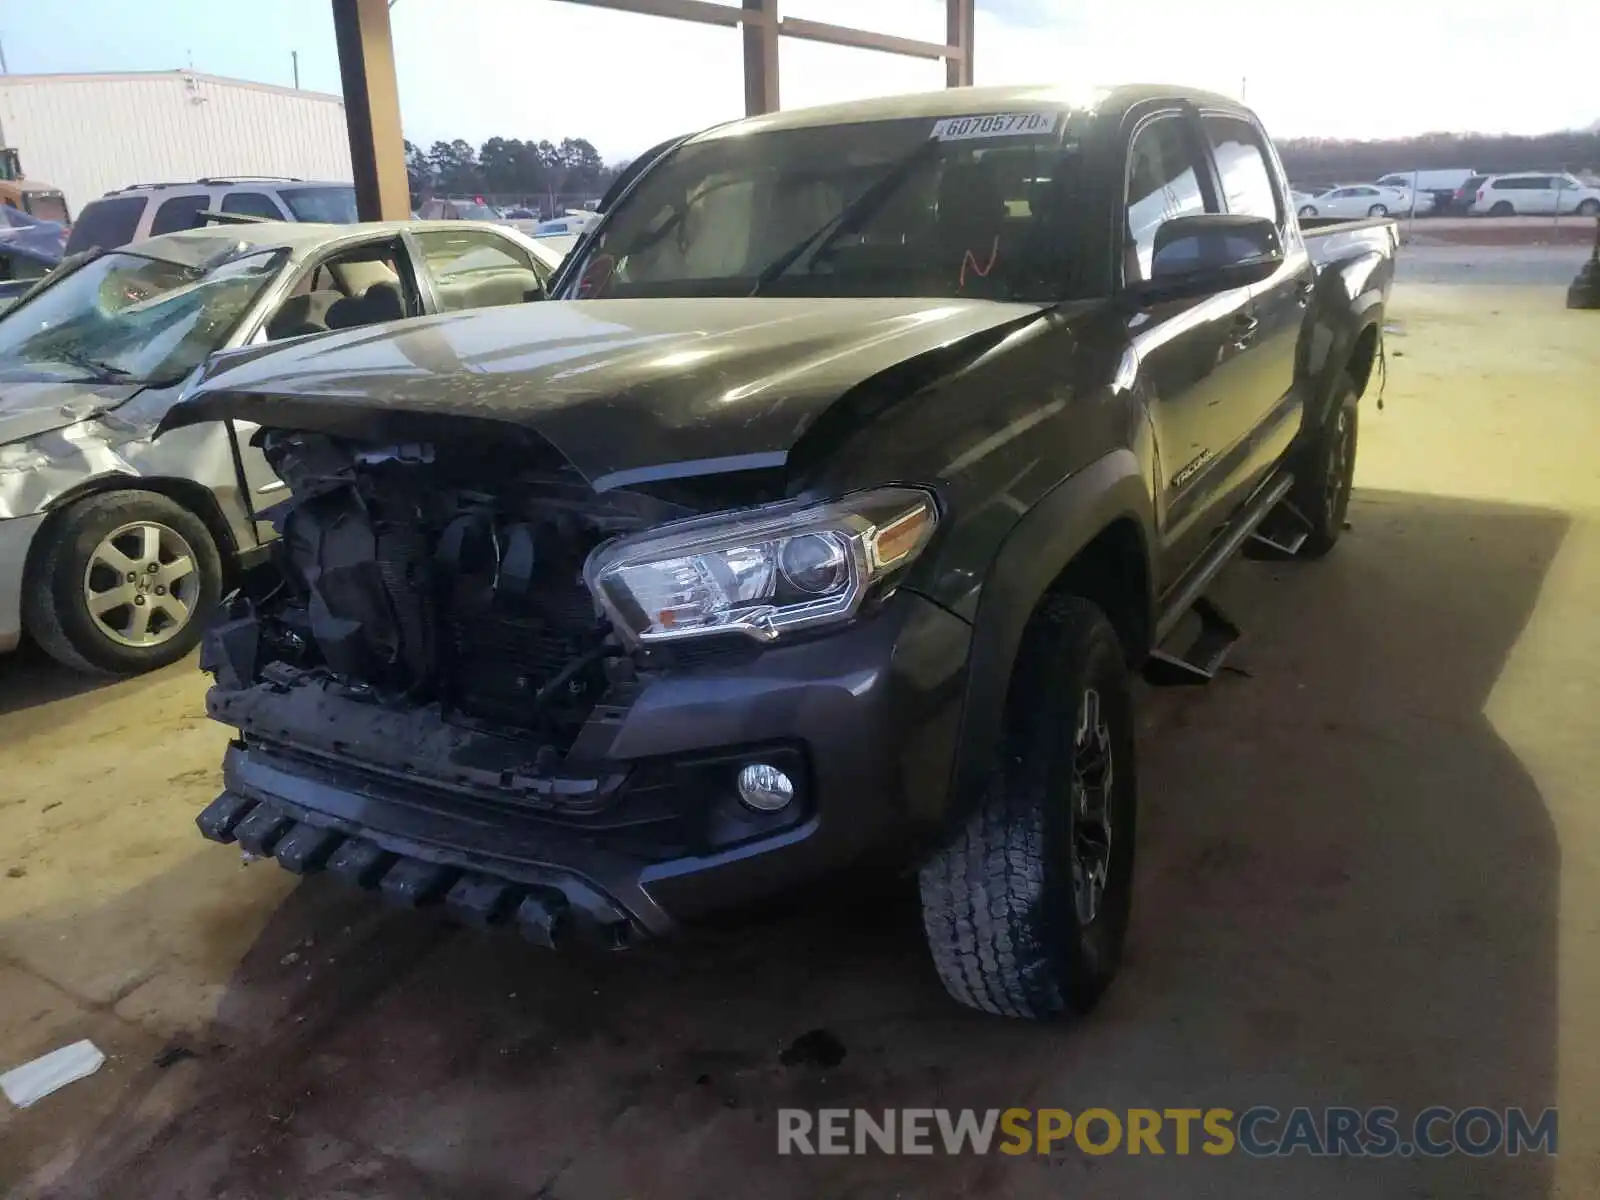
{"x": 1535, "y": 194}
{"x": 144, "y": 210}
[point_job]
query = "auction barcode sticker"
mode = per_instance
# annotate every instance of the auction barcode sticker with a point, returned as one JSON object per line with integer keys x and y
{"x": 956, "y": 129}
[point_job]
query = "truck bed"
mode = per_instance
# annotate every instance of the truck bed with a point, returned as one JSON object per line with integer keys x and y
{"x": 1331, "y": 239}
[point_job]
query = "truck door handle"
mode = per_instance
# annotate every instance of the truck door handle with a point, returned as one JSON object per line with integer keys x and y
{"x": 1245, "y": 328}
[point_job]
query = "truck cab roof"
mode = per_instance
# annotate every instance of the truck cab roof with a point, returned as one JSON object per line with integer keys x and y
{"x": 953, "y": 102}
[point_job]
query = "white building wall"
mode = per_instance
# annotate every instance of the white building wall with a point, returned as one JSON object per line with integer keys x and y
{"x": 89, "y": 134}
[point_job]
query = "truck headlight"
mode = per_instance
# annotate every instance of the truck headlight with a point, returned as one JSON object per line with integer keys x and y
{"x": 760, "y": 572}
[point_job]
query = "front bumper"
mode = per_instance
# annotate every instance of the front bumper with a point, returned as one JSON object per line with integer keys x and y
{"x": 639, "y": 827}
{"x": 16, "y": 536}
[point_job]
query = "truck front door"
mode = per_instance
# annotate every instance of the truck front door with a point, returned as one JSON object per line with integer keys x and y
{"x": 1190, "y": 352}
{"x": 1269, "y": 398}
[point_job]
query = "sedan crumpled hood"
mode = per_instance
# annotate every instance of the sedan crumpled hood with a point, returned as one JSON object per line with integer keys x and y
{"x": 626, "y": 390}
{"x": 31, "y": 406}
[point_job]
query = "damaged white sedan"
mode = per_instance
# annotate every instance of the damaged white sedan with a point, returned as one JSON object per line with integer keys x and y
{"x": 114, "y": 547}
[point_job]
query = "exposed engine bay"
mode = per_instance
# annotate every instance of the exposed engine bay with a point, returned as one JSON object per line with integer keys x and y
{"x": 448, "y": 574}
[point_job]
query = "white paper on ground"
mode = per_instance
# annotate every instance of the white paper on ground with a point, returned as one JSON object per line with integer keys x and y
{"x": 37, "y": 1079}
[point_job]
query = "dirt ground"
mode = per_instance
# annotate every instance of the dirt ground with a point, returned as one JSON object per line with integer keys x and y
{"x": 1369, "y": 874}
{"x": 1502, "y": 231}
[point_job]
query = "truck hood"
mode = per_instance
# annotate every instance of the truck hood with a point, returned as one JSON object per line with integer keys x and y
{"x": 627, "y": 390}
{"x": 30, "y": 406}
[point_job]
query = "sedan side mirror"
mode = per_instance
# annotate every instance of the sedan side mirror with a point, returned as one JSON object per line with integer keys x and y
{"x": 1210, "y": 253}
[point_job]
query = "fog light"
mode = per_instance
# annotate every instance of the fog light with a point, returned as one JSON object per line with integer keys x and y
{"x": 765, "y": 788}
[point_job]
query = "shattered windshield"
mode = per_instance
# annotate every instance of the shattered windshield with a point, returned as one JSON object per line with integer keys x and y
{"x": 127, "y": 318}
{"x": 973, "y": 206}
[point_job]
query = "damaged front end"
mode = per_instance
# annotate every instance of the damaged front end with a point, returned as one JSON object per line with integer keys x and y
{"x": 428, "y": 631}
{"x": 445, "y": 575}
{"x": 477, "y": 679}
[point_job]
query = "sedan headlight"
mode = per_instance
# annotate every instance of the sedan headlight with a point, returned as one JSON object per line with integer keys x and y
{"x": 761, "y": 572}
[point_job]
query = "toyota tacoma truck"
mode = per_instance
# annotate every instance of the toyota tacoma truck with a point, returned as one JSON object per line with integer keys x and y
{"x": 820, "y": 517}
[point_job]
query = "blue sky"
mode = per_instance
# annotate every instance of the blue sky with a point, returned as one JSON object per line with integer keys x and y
{"x": 541, "y": 68}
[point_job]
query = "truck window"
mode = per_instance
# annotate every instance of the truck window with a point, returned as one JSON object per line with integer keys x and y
{"x": 255, "y": 204}
{"x": 47, "y": 206}
{"x": 1247, "y": 185}
{"x": 107, "y": 223}
{"x": 335, "y": 205}
{"x": 1163, "y": 183}
{"x": 181, "y": 212}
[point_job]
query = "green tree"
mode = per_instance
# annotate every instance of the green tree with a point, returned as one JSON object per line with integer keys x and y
{"x": 455, "y": 167}
{"x": 419, "y": 172}
{"x": 499, "y": 161}
{"x": 581, "y": 164}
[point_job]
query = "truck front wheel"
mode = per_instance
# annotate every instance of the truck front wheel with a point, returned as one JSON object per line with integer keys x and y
{"x": 1026, "y": 906}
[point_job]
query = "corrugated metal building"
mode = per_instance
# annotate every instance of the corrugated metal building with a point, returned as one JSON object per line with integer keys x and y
{"x": 88, "y": 134}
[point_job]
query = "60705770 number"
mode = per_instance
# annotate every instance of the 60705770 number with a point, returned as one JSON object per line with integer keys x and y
{"x": 954, "y": 129}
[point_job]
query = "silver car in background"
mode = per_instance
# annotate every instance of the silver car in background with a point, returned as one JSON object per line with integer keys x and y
{"x": 115, "y": 546}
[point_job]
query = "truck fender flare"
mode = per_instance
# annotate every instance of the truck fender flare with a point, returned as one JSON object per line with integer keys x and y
{"x": 1328, "y": 366}
{"x": 1033, "y": 555}
{"x": 1341, "y": 354}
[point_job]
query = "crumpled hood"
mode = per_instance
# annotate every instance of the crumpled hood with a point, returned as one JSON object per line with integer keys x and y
{"x": 626, "y": 390}
{"x": 31, "y": 406}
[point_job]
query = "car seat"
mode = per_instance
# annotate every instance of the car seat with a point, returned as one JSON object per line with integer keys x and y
{"x": 303, "y": 314}
{"x": 380, "y": 302}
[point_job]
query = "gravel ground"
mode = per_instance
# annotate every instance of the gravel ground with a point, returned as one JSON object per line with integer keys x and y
{"x": 1368, "y": 875}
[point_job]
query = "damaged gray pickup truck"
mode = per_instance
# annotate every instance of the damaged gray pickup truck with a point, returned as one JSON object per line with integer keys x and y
{"x": 823, "y": 514}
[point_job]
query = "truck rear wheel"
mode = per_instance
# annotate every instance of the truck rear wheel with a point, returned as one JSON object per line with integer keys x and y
{"x": 1322, "y": 488}
{"x": 1026, "y": 906}
{"x": 124, "y": 582}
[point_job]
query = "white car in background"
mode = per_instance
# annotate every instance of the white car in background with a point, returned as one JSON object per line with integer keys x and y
{"x": 1535, "y": 194}
{"x": 1355, "y": 200}
{"x": 559, "y": 234}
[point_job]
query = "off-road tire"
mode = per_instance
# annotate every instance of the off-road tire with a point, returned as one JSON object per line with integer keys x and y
{"x": 54, "y": 610}
{"x": 998, "y": 902}
{"x": 1322, "y": 485}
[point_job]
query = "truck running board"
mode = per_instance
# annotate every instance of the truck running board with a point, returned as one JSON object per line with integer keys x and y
{"x": 1186, "y": 601}
{"x": 1281, "y": 535}
{"x": 1203, "y": 657}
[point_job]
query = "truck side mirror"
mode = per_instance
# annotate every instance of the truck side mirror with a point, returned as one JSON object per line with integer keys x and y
{"x": 1209, "y": 253}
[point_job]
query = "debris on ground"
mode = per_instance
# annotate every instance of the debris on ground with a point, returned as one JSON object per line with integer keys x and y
{"x": 172, "y": 1055}
{"x": 815, "y": 1048}
{"x": 35, "y": 1080}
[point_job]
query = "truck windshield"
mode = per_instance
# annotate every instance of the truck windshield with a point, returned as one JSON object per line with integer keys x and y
{"x": 972, "y": 206}
{"x": 128, "y": 318}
